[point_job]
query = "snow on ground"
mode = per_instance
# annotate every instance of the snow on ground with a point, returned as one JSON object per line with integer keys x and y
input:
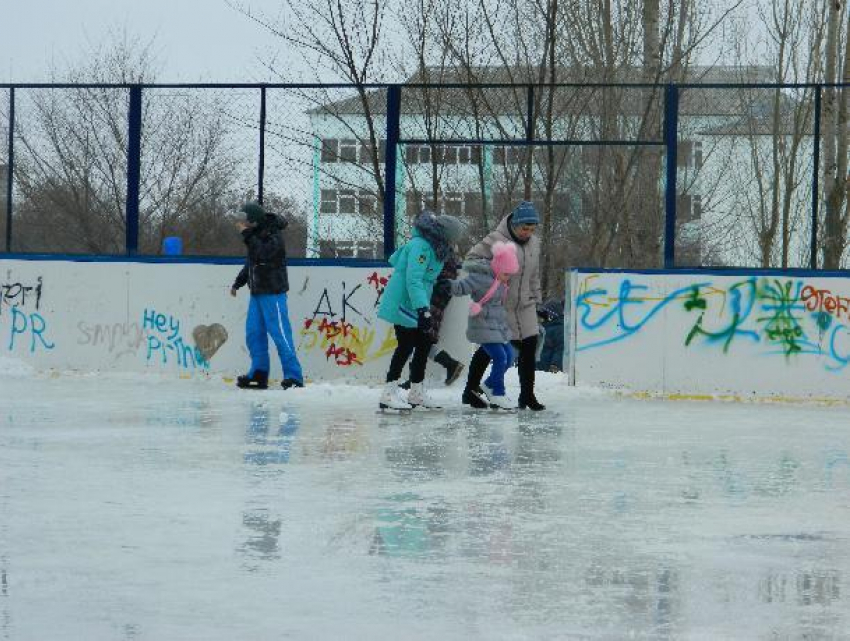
{"x": 149, "y": 507}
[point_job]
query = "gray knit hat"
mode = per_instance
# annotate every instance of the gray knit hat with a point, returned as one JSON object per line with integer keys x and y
{"x": 254, "y": 212}
{"x": 453, "y": 228}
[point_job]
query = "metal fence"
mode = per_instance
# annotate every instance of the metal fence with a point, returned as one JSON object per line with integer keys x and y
{"x": 626, "y": 175}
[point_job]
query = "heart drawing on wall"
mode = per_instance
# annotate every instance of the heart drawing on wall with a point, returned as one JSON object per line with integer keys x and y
{"x": 209, "y": 338}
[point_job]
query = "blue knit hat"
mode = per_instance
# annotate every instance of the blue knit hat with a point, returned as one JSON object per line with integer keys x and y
{"x": 525, "y": 214}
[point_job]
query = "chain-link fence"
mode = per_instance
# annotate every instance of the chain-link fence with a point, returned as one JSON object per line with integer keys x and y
{"x": 5, "y": 173}
{"x": 630, "y": 176}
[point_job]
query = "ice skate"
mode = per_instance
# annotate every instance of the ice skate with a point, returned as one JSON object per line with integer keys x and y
{"x": 475, "y": 398}
{"x": 259, "y": 380}
{"x": 502, "y": 403}
{"x": 419, "y": 397}
{"x": 289, "y": 383}
{"x": 391, "y": 399}
{"x": 530, "y": 402}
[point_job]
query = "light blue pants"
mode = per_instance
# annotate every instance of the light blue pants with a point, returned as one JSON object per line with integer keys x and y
{"x": 268, "y": 315}
{"x": 502, "y": 356}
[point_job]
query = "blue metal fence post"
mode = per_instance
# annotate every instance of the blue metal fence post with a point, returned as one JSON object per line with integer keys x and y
{"x": 529, "y": 106}
{"x": 261, "y": 170}
{"x": 10, "y": 166}
{"x": 393, "y": 133}
{"x": 671, "y": 127}
{"x": 813, "y": 241}
{"x": 134, "y": 164}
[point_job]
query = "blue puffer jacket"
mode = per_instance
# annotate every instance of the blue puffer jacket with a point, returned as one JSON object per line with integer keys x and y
{"x": 416, "y": 268}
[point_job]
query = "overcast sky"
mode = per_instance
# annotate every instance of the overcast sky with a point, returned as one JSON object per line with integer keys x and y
{"x": 195, "y": 40}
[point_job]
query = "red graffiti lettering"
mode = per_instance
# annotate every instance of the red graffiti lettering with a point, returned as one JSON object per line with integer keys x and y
{"x": 342, "y": 356}
{"x": 824, "y": 300}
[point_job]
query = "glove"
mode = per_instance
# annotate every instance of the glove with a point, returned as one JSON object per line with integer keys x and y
{"x": 545, "y": 314}
{"x": 425, "y": 322}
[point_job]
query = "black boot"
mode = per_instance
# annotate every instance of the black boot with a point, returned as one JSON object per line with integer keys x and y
{"x": 527, "y": 349}
{"x": 260, "y": 380}
{"x": 531, "y": 403}
{"x": 477, "y": 367}
{"x": 453, "y": 367}
{"x": 475, "y": 398}
{"x": 286, "y": 383}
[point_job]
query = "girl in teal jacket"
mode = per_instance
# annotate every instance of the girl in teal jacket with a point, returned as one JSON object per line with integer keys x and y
{"x": 406, "y": 300}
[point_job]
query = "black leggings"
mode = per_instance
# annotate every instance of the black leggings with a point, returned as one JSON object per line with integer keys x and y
{"x": 526, "y": 351}
{"x": 410, "y": 341}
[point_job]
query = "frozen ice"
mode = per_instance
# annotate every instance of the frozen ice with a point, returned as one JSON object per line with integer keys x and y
{"x": 144, "y": 507}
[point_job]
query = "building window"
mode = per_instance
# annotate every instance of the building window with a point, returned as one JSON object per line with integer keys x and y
{"x": 348, "y": 201}
{"x": 456, "y": 203}
{"x": 348, "y": 150}
{"x": 442, "y": 154}
{"x": 330, "y": 150}
{"x": 365, "y": 150}
{"x": 453, "y": 203}
{"x": 689, "y": 155}
{"x": 351, "y": 150}
{"x": 688, "y": 208}
{"x": 350, "y": 249}
{"x": 328, "y": 204}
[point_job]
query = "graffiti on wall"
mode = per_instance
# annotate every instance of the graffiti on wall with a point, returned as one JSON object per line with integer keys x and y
{"x": 165, "y": 343}
{"x": 342, "y": 324}
{"x": 20, "y": 317}
{"x": 119, "y": 339}
{"x": 787, "y": 317}
{"x": 123, "y": 339}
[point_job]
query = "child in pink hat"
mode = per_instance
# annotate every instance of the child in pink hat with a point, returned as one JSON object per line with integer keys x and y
{"x": 486, "y": 282}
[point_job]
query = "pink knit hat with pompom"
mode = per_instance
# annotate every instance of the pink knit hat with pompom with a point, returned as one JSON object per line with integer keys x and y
{"x": 504, "y": 261}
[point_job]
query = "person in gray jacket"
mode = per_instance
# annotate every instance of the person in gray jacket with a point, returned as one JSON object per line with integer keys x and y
{"x": 524, "y": 295}
{"x": 488, "y": 319}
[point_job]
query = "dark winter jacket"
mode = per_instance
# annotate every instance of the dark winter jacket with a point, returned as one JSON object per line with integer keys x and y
{"x": 442, "y": 296}
{"x": 551, "y": 357}
{"x": 265, "y": 268}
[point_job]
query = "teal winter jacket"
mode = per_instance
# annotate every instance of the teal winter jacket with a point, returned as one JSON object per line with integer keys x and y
{"x": 416, "y": 268}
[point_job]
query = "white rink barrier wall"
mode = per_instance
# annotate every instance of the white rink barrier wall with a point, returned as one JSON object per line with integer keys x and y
{"x": 743, "y": 334}
{"x": 176, "y": 317}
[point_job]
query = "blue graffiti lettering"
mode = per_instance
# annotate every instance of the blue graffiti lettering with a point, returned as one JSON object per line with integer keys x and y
{"x": 35, "y": 324}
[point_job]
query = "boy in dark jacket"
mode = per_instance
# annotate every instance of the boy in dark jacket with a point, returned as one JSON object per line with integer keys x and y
{"x": 265, "y": 274}
{"x": 551, "y": 357}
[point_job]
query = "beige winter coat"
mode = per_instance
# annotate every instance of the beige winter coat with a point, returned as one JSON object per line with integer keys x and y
{"x": 524, "y": 287}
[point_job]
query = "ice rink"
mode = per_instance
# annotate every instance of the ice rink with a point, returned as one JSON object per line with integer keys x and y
{"x": 136, "y": 507}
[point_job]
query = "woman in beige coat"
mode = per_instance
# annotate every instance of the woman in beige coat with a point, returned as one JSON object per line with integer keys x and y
{"x": 521, "y": 304}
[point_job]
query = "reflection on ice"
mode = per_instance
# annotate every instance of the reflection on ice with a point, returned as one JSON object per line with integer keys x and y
{"x": 154, "y": 510}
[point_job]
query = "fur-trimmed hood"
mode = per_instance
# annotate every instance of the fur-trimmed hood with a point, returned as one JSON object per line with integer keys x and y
{"x": 429, "y": 228}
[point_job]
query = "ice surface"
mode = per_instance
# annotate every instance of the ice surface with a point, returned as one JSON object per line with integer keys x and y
{"x": 136, "y": 507}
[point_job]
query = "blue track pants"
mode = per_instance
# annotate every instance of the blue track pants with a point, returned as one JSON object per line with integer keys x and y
{"x": 502, "y": 355}
{"x": 268, "y": 315}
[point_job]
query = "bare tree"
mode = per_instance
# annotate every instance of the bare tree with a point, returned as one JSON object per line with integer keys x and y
{"x": 341, "y": 42}
{"x": 775, "y": 125}
{"x": 72, "y": 167}
{"x": 835, "y": 135}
